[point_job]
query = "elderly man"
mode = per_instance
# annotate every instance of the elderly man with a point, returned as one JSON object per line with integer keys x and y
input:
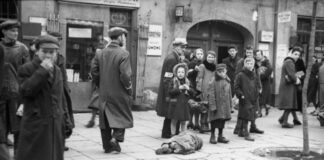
{"x": 111, "y": 71}
{"x": 166, "y": 75}
{"x": 15, "y": 54}
{"x": 41, "y": 87}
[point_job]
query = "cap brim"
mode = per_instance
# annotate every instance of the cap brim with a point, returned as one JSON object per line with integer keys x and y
{"x": 49, "y": 45}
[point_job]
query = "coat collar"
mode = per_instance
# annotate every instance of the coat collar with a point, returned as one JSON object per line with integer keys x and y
{"x": 287, "y": 58}
{"x": 210, "y": 66}
{"x": 249, "y": 73}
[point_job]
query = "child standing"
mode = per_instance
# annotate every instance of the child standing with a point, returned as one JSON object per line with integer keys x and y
{"x": 220, "y": 102}
{"x": 205, "y": 75}
{"x": 247, "y": 90}
{"x": 192, "y": 76}
{"x": 179, "y": 93}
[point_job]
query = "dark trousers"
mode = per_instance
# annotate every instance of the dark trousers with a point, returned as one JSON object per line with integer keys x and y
{"x": 108, "y": 133}
{"x": 4, "y": 152}
{"x": 166, "y": 129}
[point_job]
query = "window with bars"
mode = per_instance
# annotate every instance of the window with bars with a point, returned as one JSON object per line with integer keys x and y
{"x": 8, "y": 9}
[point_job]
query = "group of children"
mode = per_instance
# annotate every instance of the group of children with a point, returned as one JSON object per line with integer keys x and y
{"x": 201, "y": 90}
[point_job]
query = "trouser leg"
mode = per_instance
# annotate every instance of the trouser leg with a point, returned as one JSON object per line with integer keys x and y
{"x": 166, "y": 130}
{"x": 238, "y": 126}
{"x": 173, "y": 126}
{"x": 106, "y": 134}
{"x": 183, "y": 125}
{"x": 118, "y": 134}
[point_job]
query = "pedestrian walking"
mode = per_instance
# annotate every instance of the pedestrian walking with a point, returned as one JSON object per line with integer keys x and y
{"x": 192, "y": 76}
{"x": 288, "y": 87}
{"x": 179, "y": 93}
{"x": 247, "y": 89}
{"x": 206, "y": 73}
{"x": 15, "y": 55}
{"x": 162, "y": 103}
{"x": 220, "y": 103}
{"x": 265, "y": 71}
{"x": 312, "y": 88}
{"x": 42, "y": 90}
{"x": 111, "y": 71}
{"x": 320, "y": 116}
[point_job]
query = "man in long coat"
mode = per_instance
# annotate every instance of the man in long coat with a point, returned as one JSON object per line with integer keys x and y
{"x": 15, "y": 55}
{"x": 166, "y": 75}
{"x": 41, "y": 87}
{"x": 111, "y": 71}
{"x": 231, "y": 63}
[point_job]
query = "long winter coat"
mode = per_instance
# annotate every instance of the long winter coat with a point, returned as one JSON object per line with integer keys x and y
{"x": 205, "y": 75}
{"x": 312, "y": 88}
{"x": 41, "y": 132}
{"x": 166, "y": 75}
{"x": 287, "y": 88}
{"x": 220, "y": 99}
{"x": 112, "y": 71}
{"x": 179, "y": 108}
{"x": 246, "y": 84}
{"x": 265, "y": 71}
{"x": 3, "y": 128}
{"x": 321, "y": 89}
{"x": 192, "y": 75}
{"x": 300, "y": 66}
{"x": 231, "y": 64}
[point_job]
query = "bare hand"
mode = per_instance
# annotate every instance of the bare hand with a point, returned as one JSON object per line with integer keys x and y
{"x": 181, "y": 87}
{"x": 186, "y": 87}
{"x": 298, "y": 81}
{"x": 47, "y": 64}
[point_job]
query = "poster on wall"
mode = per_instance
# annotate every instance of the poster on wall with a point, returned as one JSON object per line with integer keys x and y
{"x": 80, "y": 32}
{"x": 154, "y": 44}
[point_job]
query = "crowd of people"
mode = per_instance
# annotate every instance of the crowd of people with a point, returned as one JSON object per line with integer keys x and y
{"x": 195, "y": 93}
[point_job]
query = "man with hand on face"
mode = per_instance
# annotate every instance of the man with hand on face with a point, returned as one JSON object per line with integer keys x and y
{"x": 41, "y": 87}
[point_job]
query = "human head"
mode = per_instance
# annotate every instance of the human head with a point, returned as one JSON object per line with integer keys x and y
{"x": 295, "y": 53}
{"x": 210, "y": 57}
{"x": 179, "y": 44}
{"x": 232, "y": 51}
{"x": 47, "y": 47}
{"x": 258, "y": 54}
{"x": 249, "y": 51}
{"x": 221, "y": 69}
{"x": 199, "y": 53}
{"x": 118, "y": 34}
{"x": 180, "y": 70}
{"x": 9, "y": 29}
{"x": 249, "y": 63}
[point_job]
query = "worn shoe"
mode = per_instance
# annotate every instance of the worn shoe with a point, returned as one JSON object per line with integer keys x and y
{"x": 190, "y": 126}
{"x": 287, "y": 125}
{"x": 256, "y": 130}
{"x": 222, "y": 140}
{"x": 115, "y": 147}
{"x": 249, "y": 138}
{"x": 236, "y": 131}
{"x": 90, "y": 124}
{"x": 280, "y": 120}
{"x": 212, "y": 139}
{"x": 267, "y": 111}
{"x": 197, "y": 127}
{"x": 66, "y": 148}
{"x": 241, "y": 134}
{"x": 297, "y": 122}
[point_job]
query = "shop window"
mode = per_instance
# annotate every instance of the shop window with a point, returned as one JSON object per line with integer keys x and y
{"x": 8, "y": 9}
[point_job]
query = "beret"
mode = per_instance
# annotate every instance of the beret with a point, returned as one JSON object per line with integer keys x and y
{"x": 116, "y": 31}
{"x": 179, "y": 41}
{"x": 9, "y": 24}
{"x": 58, "y": 35}
{"x": 220, "y": 66}
{"x": 47, "y": 41}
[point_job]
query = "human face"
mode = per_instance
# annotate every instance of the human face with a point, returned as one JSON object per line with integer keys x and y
{"x": 200, "y": 55}
{"x": 11, "y": 34}
{"x": 295, "y": 55}
{"x": 180, "y": 49}
{"x": 181, "y": 73}
{"x": 258, "y": 55}
{"x": 232, "y": 52}
{"x": 249, "y": 65}
{"x": 47, "y": 53}
{"x": 210, "y": 58}
{"x": 222, "y": 72}
{"x": 249, "y": 53}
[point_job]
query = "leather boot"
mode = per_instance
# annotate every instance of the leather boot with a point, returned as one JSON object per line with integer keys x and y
{"x": 254, "y": 128}
{"x": 212, "y": 139}
{"x": 222, "y": 139}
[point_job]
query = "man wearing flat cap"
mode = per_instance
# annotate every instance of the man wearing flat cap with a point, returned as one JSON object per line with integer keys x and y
{"x": 111, "y": 71}
{"x": 41, "y": 87}
{"x": 162, "y": 104}
{"x": 15, "y": 55}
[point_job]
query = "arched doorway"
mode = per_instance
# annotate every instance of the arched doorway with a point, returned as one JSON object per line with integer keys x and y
{"x": 218, "y": 36}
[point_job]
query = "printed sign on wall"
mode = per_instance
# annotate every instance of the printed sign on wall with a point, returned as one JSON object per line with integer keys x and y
{"x": 154, "y": 44}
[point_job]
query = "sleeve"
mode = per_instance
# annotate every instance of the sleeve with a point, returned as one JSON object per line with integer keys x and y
{"x": 239, "y": 66}
{"x": 267, "y": 72}
{"x": 95, "y": 69}
{"x": 126, "y": 72}
{"x": 191, "y": 91}
{"x": 167, "y": 75}
{"x": 1, "y": 65}
{"x": 237, "y": 86}
{"x": 200, "y": 77}
{"x": 290, "y": 70}
{"x": 212, "y": 95}
{"x": 31, "y": 84}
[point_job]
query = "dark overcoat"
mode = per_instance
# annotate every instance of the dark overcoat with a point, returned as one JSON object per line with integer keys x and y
{"x": 41, "y": 132}
{"x": 166, "y": 75}
{"x": 265, "y": 77}
{"x": 231, "y": 65}
{"x": 247, "y": 84}
{"x": 300, "y": 66}
{"x": 321, "y": 89}
{"x": 3, "y": 126}
{"x": 287, "y": 98}
{"x": 312, "y": 88}
{"x": 219, "y": 99}
{"x": 111, "y": 70}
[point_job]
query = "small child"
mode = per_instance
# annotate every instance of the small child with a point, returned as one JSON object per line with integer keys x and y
{"x": 247, "y": 90}
{"x": 179, "y": 93}
{"x": 220, "y": 103}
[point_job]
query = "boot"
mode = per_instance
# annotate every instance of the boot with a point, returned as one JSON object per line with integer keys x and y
{"x": 297, "y": 122}
{"x": 248, "y": 138}
{"x": 245, "y": 131}
{"x": 197, "y": 127}
{"x": 115, "y": 145}
{"x": 254, "y": 129}
{"x": 90, "y": 124}
{"x": 238, "y": 126}
{"x": 190, "y": 126}
{"x": 166, "y": 129}
{"x": 287, "y": 125}
{"x": 241, "y": 133}
{"x": 212, "y": 139}
{"x": 222, "y": 139}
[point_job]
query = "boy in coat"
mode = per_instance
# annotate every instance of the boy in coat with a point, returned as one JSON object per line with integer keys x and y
{"x": 220, "y": 103}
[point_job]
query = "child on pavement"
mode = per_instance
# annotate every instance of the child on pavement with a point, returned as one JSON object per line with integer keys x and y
{"x": 220, "y": 102}
{"x": 179, "y": 93}
{"x": 247, "y": 90}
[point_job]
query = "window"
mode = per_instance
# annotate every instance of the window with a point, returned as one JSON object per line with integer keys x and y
{"x": 8, "y": 9}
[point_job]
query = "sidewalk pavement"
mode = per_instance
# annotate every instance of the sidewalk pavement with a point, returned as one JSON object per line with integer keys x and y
{"x": 142, "y": 140}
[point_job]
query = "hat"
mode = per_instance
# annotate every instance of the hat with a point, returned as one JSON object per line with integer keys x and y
{"x": 47, "y": 41}
{"x": 179, "y": 42}
{"x": 319, "y": 55}
{"x": 58, "y": 35}
{"x": 9, "y": 24}
{"x": 220, "y": 66}
{"x": 184, "y": 65}
{"x": 116, "y": 31}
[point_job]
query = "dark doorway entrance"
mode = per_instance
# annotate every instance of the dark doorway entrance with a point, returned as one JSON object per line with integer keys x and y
{"x": 222, "y": 53}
